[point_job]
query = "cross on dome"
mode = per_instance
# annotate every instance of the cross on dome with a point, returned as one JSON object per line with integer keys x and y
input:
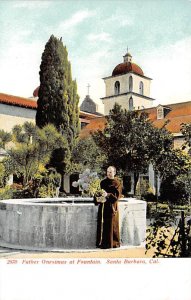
{"x": 88, "y": 86}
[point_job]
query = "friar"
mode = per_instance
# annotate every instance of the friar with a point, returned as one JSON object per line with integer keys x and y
{"x": 108, "y": 213}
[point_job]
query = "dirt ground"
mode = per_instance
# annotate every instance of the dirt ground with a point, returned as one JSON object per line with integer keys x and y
{"x": 123, "y": 252}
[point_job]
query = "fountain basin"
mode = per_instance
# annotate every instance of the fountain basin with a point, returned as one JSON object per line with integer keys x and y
{"x": 53, "y": 224}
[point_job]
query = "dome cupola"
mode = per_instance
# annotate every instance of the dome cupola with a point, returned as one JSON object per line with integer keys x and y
{"x": 35, "y": 92}
{"x": 127, "y": 66}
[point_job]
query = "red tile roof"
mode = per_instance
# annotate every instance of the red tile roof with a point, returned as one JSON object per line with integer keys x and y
{"x": 94, "y": 125}
{"x": 17, "y": 101}
{"x": 32, "y": 103}
{"x": 180, "y": 113}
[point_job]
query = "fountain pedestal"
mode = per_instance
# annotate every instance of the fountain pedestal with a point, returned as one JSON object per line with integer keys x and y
{"x": 64, "y": 223}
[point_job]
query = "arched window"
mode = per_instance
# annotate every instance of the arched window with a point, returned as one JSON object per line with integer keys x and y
{"x": 141, "y": 88}
{"x": 130, "y": 84}
{"x": 131, "y": 103}
{"x": 117, "y": 88}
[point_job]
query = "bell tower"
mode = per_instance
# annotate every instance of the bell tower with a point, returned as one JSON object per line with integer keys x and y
{"x": 127, "y": 86}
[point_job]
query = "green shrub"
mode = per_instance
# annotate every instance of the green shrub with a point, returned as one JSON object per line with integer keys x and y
{"x": 2, "y": 175}
{"x": 174, "y": 191}
{"x": 45, "y": 183}
{"x": 149, "y": 210}
{"x": 148, "y": 195}
{"x": 6, "y": 193}
{"x": 44, "y": 192}
{"x": 22, "y": 194}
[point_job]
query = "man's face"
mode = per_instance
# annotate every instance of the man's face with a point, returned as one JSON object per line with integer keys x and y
{"x": 110, "y": 173}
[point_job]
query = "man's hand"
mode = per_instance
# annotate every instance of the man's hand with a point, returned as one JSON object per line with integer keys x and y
{"x": 105, "y": 194}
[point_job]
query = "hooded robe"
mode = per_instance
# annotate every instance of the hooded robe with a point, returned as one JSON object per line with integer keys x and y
{"x": 108, "y": 215}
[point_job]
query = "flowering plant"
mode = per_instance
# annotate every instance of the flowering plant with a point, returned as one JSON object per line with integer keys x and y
{"x": 88, "y": 182}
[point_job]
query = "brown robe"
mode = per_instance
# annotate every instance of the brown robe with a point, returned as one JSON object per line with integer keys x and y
{"x": 108, "y": 215}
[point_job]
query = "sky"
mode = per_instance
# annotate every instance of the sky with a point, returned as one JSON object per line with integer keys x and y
{"x": 97, "y": 34}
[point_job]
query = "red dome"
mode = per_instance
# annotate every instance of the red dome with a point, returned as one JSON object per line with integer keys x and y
{"x": 127, "y": 67}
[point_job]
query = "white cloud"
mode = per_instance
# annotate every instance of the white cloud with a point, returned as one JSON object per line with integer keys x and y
{"x": 119, "y": 20}
{"x": 100, "y": 37}
{"x": 75, "y": 20}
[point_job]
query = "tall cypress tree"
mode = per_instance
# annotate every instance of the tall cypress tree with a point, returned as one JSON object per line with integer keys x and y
{"x": 58, "y": 99}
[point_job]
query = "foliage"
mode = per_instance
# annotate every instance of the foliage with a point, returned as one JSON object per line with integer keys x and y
{"x": 186, "y": 131}
{"x": 174, "y": 167}
{"x": 5, "y": 137}
{"x": 2, "y": 175}
{"x": 148, "y": 195}
{"x": 61, "y": 159}
{"x": 33, "y": 146}
{"x": 142, "y": 186}
{"x": 46, "y": 183}
{"x": 16, "y": 186}
{"x": 94, "y": 186}
{"x": 172, "y": 163}
{"x": 88, "y": 183}
{"x": 127, "y": 143}
{"x": 22, "y": 194}
{"x": 176, "y": 190}
{"x": 166, "y": 238}
{"x": 162, "y": 207}
{"x": 87, "y": 154}
{"x": 6, "y": 193}
{"x": 24, "y": 134}
{"x": 58, "y": 100}
{"x": 174, "y": 170}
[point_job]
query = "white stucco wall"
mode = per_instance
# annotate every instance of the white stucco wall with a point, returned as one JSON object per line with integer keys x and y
{"x": 109, "y": 103}
{"x": 13, "y": 115}
{"x": 124, "y": 84}
{"x": 138, "y": 102}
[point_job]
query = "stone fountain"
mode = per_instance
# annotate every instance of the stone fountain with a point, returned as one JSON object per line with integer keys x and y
{"x": 56, "y": 224}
